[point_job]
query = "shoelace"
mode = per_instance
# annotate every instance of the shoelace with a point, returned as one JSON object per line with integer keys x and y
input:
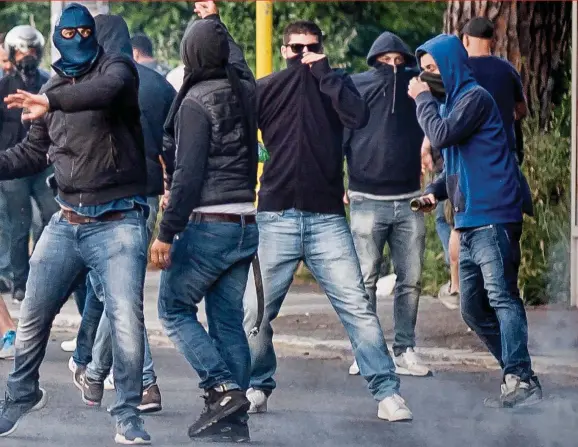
{"x": 133, "y": 421}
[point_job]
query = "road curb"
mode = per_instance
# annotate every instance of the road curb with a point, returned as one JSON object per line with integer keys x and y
{"x": 288, "y": 345}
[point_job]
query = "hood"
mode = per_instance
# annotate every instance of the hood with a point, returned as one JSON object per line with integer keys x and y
{"x": 390, "y": 43}
{"x": 205, "y": 46}
{"x": 112, "y": 34}
{"x": 452, "y": 61}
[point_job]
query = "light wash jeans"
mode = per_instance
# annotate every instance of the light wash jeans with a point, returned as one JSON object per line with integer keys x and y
{"x": 375, "y": 223}
{"x": 324, "y": 243}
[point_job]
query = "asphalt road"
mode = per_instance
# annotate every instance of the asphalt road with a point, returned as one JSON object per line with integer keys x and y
{"x": 316, "y": 404}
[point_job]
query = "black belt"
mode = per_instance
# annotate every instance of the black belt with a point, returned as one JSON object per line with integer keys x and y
{"x": 223, "y": 217}
{"x": 77, "y": 219}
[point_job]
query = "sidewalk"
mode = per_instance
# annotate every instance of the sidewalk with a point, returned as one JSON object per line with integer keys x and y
{"x": 307, "y": 325}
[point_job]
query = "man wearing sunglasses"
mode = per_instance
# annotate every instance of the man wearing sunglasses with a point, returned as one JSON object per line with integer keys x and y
{"x": 86, "y": 122}
{"x": 302, "y": 113}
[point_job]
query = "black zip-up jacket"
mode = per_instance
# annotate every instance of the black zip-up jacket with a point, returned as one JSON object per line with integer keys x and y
{"x": 302, "y": 113}
{"x": 384, "y": 158}
{"x": 12, "y": 129}
{"x": 92, "y": 135}
{"x": 155, "y": 96}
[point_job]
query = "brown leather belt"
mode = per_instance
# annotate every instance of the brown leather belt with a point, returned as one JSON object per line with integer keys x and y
{"x": 77, "y": 219}
{"x": 229, "y": 218}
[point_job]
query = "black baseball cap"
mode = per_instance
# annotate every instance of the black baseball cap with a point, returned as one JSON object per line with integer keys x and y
{"x": 479, "y": 27}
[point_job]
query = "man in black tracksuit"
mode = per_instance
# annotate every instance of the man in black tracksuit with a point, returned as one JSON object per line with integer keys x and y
{"x": 302, "y": 113}
{"x": 86, "y": 122}
{"x": 383, "y": 161}
{"x": 18, "y": 192}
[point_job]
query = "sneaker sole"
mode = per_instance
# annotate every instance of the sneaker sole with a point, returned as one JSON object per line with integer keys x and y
{"x": 87, "y": 402}
{"x": 495, "y": 402}
{"x": 224, "y": 439}
{"x": 120, "y": 439}
{"x": 406, "y": 418}
{"x": 150, "y": 408}
{"x": 406, "y": 372}
{"x": 39, "y": 406}
{"x": 245, "y": 406}
{"x": 256, "y": 409}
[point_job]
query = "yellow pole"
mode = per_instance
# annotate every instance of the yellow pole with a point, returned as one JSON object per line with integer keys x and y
{"x": 264, "y": 46}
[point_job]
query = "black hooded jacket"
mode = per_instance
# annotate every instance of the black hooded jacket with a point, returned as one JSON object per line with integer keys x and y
{"x": 12, "y": 129}
{"x": 383, "y": 158}
{"x": 91, "y": 134}
{"x": 155, "y": 96}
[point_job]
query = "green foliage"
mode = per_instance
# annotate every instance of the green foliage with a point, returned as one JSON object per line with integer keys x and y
{"x": 435, "y": 272}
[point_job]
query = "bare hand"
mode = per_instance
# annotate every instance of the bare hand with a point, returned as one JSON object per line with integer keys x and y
{"x": 165, "y": 199}
{"x": 416, "y": 87}
{"x": 346, "y": 198}
{"x": 161, "y": 254}
{"x": 427, "y": 164}
{"x": 35, "y": 106}
{"x": 311, "y": 58}
{"x": 432, "y": 203}
{"x": 204, "y": 9}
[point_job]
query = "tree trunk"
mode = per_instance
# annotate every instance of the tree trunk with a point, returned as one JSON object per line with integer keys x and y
{"x": 533, "y": 36}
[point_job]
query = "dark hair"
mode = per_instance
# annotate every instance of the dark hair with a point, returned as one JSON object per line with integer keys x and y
{"x": 479, "y": 27}
{"x": 141, "y": 42}
{"x": 302, "y": 27}
{"x": 2, "y": 38}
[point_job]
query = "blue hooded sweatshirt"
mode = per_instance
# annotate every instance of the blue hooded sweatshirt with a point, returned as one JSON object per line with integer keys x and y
{"x": 383, "y": 158}
{"x": 481, "y": 173}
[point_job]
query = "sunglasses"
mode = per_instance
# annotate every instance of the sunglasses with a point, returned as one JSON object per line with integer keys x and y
{"x": 298, "y": 48}
{"x": 70, "y": 33}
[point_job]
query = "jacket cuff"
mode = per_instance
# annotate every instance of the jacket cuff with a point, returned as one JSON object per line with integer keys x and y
{"x": 424, "y": 97}
{"x": 213, "y": 17}
{"x": 320, "y": 68}
{"x": 53, "y": 102}
{"x": 165, "y": 235}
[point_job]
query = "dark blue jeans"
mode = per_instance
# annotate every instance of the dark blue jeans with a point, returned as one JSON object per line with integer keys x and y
{"x": 18, "y": 194}
{"x": 210, "y": 260}
{"x": 443, "y": 229}
{"x": 491, "y": 303}
{"x": 116, "y": 252}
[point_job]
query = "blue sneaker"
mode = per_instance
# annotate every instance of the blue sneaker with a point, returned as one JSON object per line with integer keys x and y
{"x": 132, "y": 432}
{"x": 8, "y": 350}
{"x": 12, "y": 413}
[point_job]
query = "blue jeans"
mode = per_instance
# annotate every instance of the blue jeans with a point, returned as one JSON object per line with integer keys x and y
{"x": 490, "y": 299}
{"x": 116, "y": 252}
{"x": 93, "y": 344}
{"x": 375, "y": 223}
{"x": 443, "y": 229}
{"x": 210, "y": 260}
{"x": 324, "y": 243}
{"x": 17, "y": 194}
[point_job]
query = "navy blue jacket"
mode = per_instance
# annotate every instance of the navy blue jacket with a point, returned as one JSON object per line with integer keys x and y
{"x": 481, "y": 174}
{"x": 383, "y": 158}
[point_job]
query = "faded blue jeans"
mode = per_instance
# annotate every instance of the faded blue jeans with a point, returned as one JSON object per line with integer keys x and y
{"x": 375, "y": 223}
{"x": 94, "y": 346}
{"x": 490, "y": 299}
{"x": 210, "y": 260}
{"x": 443, "y": 229}
{"x": 116, "y": 252}
{"x": 324, "y": 243}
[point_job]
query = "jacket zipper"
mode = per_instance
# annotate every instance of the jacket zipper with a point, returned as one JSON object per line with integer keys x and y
{"x": 394, "y": 88}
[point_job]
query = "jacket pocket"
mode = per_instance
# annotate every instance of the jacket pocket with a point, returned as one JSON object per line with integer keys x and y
{"x": 455, "y": 194}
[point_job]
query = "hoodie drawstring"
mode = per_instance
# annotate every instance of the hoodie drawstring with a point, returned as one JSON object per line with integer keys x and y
{"x": 394, "y": 88}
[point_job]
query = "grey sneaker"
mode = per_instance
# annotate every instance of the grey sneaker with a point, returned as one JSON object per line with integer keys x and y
{"x": 92, "y": 391}
{"x": 516, "y": 393}
{"x": 132, "y": 432}
{"x": 11, "y": 413}
{"x": 450, "y": 300}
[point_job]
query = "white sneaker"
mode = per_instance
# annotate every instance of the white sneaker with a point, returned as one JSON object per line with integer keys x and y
{"x": 109, "y": 382}
{"x": 408, "y": 364}
{"x": 393, "y": 409}
{"x": 258, "y": 401}
{"x": 354, "y": 369}
{"x": 72, "y": 365}
{"x": 69, "y": 345}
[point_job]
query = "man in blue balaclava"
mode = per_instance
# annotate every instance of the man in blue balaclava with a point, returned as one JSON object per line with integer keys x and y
{"x": 100, "y": 174}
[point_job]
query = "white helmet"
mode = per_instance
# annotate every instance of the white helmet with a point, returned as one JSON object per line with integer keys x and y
{"x": 23, "y": 38}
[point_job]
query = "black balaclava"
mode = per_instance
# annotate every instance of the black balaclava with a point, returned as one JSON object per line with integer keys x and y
{"x": 77, "y": 54}
{"x": 435, "y": 83}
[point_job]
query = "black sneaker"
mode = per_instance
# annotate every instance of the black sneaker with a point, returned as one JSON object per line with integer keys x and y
{"x": 92, "y": 391}
{"x": 516, "y": 393}
{"x": 18, "y": 296}
{"x": 12, "y": 413}
{"x": 225, "y": 431}
{"x": 132, "y": 432}
{"x": 219, "y": 405}
{"x": 151, "y": 400}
